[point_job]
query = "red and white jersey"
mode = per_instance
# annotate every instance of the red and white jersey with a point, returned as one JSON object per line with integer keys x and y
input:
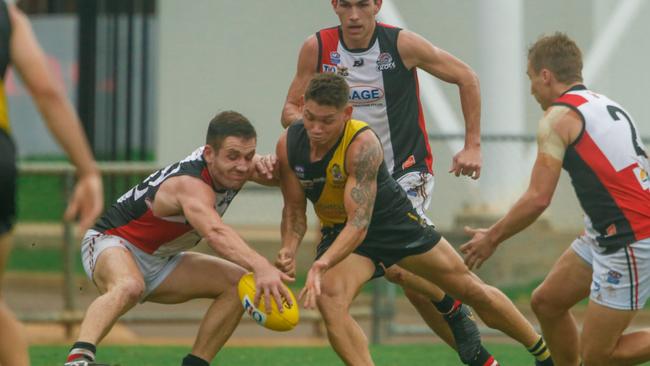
{"x": 384, "y": 94}
{"x": 131, "y": 216}
{"x": 608, "y": 165}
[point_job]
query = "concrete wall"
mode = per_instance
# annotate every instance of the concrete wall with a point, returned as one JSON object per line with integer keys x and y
{"x": 241, "y": 55}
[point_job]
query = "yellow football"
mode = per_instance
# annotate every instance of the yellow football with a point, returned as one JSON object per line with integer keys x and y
{"x": 276, "y": 320}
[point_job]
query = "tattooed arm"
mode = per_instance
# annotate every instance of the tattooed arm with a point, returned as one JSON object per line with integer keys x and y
{"x": 364, "y": 156}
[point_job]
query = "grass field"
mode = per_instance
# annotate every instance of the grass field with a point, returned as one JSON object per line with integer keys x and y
{"x": 411, "y": 355}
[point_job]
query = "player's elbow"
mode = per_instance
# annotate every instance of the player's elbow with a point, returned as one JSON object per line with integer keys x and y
{"x": 290, "y": 113}
{"x": 46, "y": 93}
{"x": 540, "y": 202}
{"x": 284, "y": 119}
{"x": 469, "y": 79}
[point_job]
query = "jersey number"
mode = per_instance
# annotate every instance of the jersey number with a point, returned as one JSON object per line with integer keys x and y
{"x": 614, "y": 111}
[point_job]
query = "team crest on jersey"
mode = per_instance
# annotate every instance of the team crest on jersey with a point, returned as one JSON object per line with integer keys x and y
{"x": 335, "y": 58}
{"x": 337, "y": 174}
{"x": 342, "y": 71}
{"x": 385, "y": 62}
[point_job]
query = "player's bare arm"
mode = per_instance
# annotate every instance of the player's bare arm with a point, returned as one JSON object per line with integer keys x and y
{"x": 307, "y": 62}
{"x": 195, "y": 200}
{"x": 294, "y": 218}
{"x": 363, "y": 158}
{"x": 418, "y": 52}
{"x": 265, "y": 170}
{"x": 557, "y": 129}
{"x": 60, "y": 117}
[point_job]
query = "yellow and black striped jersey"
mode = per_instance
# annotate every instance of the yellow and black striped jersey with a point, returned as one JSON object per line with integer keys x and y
{"x": 324, "y": 181}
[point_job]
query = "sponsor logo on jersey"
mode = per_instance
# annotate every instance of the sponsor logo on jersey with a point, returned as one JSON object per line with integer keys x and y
{"x": 385, "y": 62}
{"x": 310, "y": 183}
{"x": 358, "y": 62}
{"x": 300, "y": 171}
{"x": 329, "y": 68}
{"x": 614, "y": 277}
{"x": 595, "y": 286}
{"x": 643, "y": 177}
{"x": 611, "y": 230}
{"x": 410, "y": 161}
{"x": 335, "y": 58}
{"x": 365, "y": 94}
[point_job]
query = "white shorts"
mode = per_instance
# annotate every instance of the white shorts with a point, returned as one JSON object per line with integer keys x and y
{"x": 418, "y": 187}
{"x": 154, "y": 269}
{"x": 620, "y": 280}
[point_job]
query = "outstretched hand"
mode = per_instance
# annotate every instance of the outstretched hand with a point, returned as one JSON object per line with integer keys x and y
{"x": 467, "y": 162}
{"x": 478, "y": 249}
{"x": 312, "y": 289}
{"x": 87, "y": 201}
{"x": 269, "y": 282}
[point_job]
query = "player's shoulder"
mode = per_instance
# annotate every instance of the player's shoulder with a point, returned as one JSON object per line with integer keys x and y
{"x": 562, "y": 120}
{"x": 365, "y": 147}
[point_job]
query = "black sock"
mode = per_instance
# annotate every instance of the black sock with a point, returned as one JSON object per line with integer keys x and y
{"x": 446, "y": 305}
{"x": 82, "y": 349}
{"x": 191, "y": 360}
{"x": 483, "y": 358}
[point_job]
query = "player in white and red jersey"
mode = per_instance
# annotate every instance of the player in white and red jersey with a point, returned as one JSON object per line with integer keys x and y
{"x": 136, "y": 250}
{"x": 379, "y": 63}
{"x": 598, "y": 144}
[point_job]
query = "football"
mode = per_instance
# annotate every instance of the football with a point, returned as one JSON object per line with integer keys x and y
{"x": 281, "y": 322}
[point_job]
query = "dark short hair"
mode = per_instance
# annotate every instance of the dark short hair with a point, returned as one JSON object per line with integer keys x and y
{"x": 329, "y": 90}
{"x": 226, "y": 124}
{"x": 559, "y": 54}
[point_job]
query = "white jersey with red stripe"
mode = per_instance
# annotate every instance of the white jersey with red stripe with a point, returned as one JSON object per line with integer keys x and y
{"x": 132, "y": 218}
{"x": 608, "y": 165}
{"x": 384, "y": 94}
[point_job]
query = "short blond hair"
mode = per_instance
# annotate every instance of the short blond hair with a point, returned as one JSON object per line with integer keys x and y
{"x": 559, "y": 54}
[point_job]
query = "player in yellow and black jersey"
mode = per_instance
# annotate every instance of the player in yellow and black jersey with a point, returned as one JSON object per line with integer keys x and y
{"x": 368, "y": 224}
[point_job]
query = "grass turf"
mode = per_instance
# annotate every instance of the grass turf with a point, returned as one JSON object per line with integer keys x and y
{"x": 418, "y": 354}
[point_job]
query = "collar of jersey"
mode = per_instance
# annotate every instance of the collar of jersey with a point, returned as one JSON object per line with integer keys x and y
{"x": 358, "y": 50}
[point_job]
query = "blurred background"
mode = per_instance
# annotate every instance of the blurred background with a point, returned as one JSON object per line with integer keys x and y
{"x": 148, "y": 75}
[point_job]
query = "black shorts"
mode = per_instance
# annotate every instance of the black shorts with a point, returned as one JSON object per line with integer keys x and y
{"x": 8, "y": 174}
{"x": 387, "y": 244}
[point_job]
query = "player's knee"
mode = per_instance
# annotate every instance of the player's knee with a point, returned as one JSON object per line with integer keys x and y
{"x": 543, "y": 304}
{"x": 332, "y": 308}
{"x": 395, "y": 275}
{"x": 595, "y": 357}
{"x": 234, "y": 274}
{"x": 129, "y": 289}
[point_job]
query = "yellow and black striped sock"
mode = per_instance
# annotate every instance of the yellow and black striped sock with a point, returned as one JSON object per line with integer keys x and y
{"x": 539, "y": 350}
